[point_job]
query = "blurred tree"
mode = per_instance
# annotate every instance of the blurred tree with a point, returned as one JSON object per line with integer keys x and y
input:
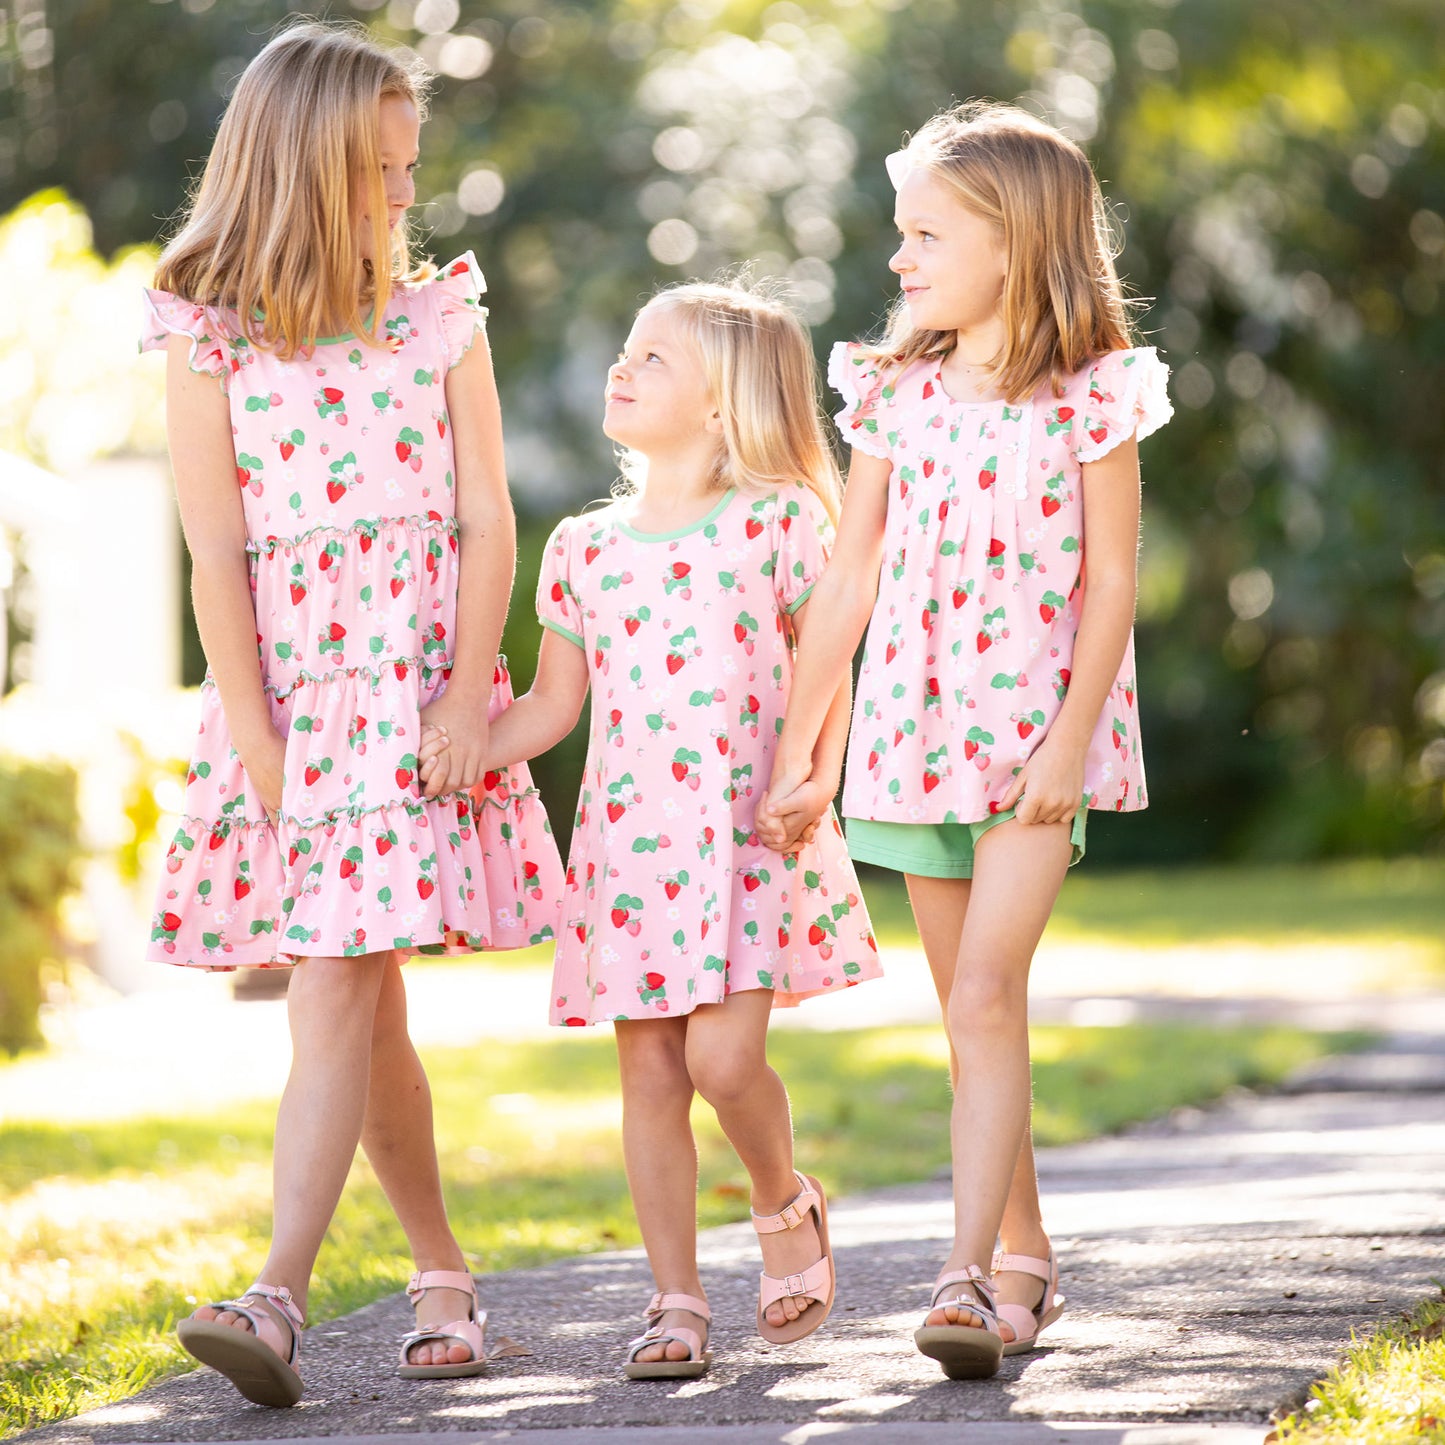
{"x": 1278, "y": 169}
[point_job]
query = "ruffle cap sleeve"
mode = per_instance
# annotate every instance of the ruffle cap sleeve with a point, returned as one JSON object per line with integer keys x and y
{"x": 459, "y": 287}
{"x": 557, "y": 605}
{"x": 167, "y": 315}
{"x": 1127, "y": 396}
{"x": 855, "y": 376}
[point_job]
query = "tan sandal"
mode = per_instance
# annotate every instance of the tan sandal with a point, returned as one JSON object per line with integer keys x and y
{"x": 1027, "y": 1324}
{"x": 966, "y": 1352}
{"x": 698, "y": 1359}
{"x": 816, "y": 1284}
{"x": 468, "y": 1331}
{"x": 259, "y": 1362}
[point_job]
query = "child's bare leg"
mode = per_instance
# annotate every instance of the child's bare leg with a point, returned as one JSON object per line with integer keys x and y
{"x": 330, "y": 1003}
{"x": 398, "y": 1138}
{"x": 939, "y": 908}
{"x": 661, "y": 1159}
{"x": 1018, "y": 870}
{"x": 728, "y": 1062}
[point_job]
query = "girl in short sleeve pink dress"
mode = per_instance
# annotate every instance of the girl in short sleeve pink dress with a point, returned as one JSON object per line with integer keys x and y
{"x": 968, "y": 655}
{"x": 344, "y": 459}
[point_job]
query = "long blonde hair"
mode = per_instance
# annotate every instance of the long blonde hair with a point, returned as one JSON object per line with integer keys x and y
{"x": 269, "y": 231}
{"x": 1063, "y": 305}
{"x": 763, "y": 379}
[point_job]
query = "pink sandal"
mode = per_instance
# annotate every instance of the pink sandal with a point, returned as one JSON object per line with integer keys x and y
{"x": 1027, "y": 1324}
{"x": 966, "y": 1352}
{"x": 467, "y": 1331}
{"x": 698, "y": 1359}
{"x": 259, "y": 1362}
{"x": 816, "y": 1284}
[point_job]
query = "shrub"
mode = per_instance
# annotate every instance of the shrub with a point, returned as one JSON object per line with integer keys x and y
{"x": 40, "y": 854}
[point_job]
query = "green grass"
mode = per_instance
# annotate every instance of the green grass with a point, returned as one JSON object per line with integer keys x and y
{"x": 109, "y": 1231}
{"x": 1389, "y": 1389}
{"x": 1398, "y": 901}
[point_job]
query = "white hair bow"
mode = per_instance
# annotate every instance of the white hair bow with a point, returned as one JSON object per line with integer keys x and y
{"x": 898, "y": 166}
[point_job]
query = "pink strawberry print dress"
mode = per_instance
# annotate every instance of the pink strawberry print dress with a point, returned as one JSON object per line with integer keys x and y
{"x": 671, "y": 899}
{"x": 345, "y": 462}
{"x": 968, "y": 652}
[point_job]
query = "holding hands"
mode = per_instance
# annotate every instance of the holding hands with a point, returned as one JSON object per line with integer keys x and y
{"x": 454, "y": 738}
{"x": 788, "y": 811}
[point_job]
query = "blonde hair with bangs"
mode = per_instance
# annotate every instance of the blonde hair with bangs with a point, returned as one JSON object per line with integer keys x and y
{"x": 761, "y": 376}
{"x": 269, "y": 231}
{"x": 1063, "y": 305}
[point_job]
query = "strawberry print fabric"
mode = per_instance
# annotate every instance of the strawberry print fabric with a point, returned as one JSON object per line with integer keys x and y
{"x": 671, "y": 900}
{"x": 344, "y": 458}
{"x": 968, "y": 653}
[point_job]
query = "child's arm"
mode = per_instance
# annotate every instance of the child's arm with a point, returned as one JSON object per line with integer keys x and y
{"x": 782, "y": 828}
{"x": 537, "y": 720}
{"x": 203, "y": 458}
{"x": 487, "y": 553}
{"x": 1050, "y": 786}
{"x": 844, "y": 595}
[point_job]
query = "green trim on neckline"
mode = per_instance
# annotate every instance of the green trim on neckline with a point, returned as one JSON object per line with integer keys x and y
{"x": 691, "y": 527}
{"x": 370, "y": 324}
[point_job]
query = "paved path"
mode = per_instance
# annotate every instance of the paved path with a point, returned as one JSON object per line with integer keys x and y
{"x": 1215, "y": 1262}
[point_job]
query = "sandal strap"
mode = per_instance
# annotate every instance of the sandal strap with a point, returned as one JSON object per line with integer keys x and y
{"x": 659, "y": 1336}
{"x": 1023, "y": 1264}
{"x": 457, "y": 1279}
{"x": 803, "y": 1204}
{"x": 811, "y": 1283}
{"x": 984, "y": 1305}
{"x": 285, "y": 1306}
{"x": 661, "y": 1303}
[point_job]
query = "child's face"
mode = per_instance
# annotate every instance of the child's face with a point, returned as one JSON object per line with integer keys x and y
{"x": 657, "y": 395}
{"x": 950, "y": 260}
{"x": 398, "y": 139}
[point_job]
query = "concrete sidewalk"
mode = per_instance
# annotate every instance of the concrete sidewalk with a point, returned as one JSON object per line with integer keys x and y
{"x": 1215, "y": 1263}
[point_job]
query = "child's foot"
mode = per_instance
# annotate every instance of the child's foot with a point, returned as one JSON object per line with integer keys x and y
{"x": 797, "y": 1287}
{"x": 448, "y": 1340}
{"x": 672, "y": 1349}
{"x": 439, "y": 1306}
{"x": 254, "y": 1341}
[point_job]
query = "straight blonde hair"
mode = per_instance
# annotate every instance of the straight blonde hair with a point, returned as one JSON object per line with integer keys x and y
{"x": 1063, "y": 304}
{"x": 763, "y": 379}
{"x": 269, "y": 232}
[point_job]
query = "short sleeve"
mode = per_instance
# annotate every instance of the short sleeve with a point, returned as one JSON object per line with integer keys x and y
{"x": 855, "y": 376}
{"x": 557, "y": 605}
{"x": 167, "y": 315}
{"x": 802, "y": 541}
{"x": 459, "y": 289}
{"x": 1127, "y": 396}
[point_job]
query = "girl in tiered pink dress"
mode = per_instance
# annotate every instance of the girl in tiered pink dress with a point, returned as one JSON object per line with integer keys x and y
{"x": 336, "y": 441}
{"x": 676, "y": 606}
{"x": 993, "y": 513}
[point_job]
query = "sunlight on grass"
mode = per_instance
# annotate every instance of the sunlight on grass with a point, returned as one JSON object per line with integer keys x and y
{"x": 1390, "y": 1387}
{"x": 110, "y": 1230}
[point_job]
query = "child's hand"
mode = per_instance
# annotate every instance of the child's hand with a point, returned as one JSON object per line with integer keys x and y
{"x": 264, "y": 761}
{"x": 790, "y": 820}
{"x": 460, "y": 762}
{"x": 1049, "y": 788}
{"x": 434, "y": 742}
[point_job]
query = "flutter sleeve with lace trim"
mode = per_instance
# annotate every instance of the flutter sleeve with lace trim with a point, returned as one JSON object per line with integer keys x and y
{"x": 1126, "y": 396}
{"x": 855, "y": 376}
{"x": 459, "y": 288}
{"x": 167, "y": 315}
{"x": 557, "y": 604}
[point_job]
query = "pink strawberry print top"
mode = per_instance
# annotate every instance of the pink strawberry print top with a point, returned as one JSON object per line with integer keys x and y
{"x": 968, "y": 652}
{"x": 671, "y": 899}
{"x": 345, "y": 463}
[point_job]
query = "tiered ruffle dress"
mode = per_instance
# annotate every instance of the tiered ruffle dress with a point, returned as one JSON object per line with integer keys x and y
{"x": 971, "y": 644}
{"x": 344, "y": 458}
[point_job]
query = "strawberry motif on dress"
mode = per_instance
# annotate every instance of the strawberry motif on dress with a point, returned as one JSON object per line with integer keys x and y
{"x": 330, "y": 401}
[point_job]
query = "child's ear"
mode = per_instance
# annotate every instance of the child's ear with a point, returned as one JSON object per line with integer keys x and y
{"x": 714, "y": 424}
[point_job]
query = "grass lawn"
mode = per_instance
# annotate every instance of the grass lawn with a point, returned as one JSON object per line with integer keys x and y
{"x": 108, "y": 1231}
{"x": 1390, "y": 1387}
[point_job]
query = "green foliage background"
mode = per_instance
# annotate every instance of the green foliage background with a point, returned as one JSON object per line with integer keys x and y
{"x": 1278, "y": 169}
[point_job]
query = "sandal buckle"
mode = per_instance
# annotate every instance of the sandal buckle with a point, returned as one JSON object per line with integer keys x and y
{"x": 795, "y": 1285}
